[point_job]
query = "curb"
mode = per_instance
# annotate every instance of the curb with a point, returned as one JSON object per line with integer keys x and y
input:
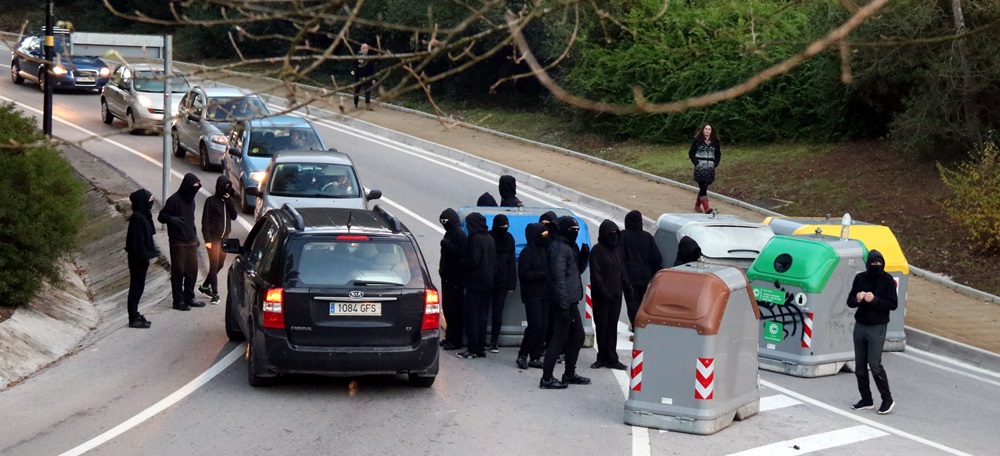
{"x": 938, "y": 345}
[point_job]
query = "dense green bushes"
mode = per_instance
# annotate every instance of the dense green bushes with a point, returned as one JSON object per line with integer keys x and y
{"x": 40, "y": 208}
{"x": 974, "y": 204}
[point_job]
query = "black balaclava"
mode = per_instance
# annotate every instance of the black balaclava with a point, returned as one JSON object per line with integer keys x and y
{"x": 142, "y": 203}
{"x": 633, "y": 221}
{"x": 567, "y": 228}
{"x": 189, "y": 186}
{"x": 449, "y": 218}
{"x": 688, "y": 250}
{"x": 487, "y": 200}
{"x": 475, "y": 223}
{"x": 500, "y": 225}
{"x": 608, "y": 234}
{"x": 533, "y": 234}
{"x": 223, "y": 187}
{"x": 508, "y": 187}
{"x": 875, "y": 271}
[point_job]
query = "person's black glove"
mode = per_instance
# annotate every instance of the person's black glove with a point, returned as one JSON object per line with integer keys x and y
{"x": 176, "y": 222}
{"x": 446, "y": 243}
{"x": 584, "y": 258}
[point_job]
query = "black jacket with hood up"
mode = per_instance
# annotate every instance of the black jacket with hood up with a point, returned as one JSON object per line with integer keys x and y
{"x": 139, "y": 237}
{"x": 565, "y": 287}
{"x": 480, "y": 260}
{"x": 880, "y": 284}
{"x": 508, "y": 192}
{"x": 533, "y": 264}
{"x": 642, "y": 257}
{"x": 219, "y": 212}
{"x": 486, "y": 200}
{"x": 178, "y": 212}
{"x": 688, "y": 251}
{"x": 607, "y": 269}
{"x": 506, "y": 273}
{"x": 453, "y": 246}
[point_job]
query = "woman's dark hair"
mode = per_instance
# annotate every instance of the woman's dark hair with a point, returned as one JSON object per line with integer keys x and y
{"x": 714, "y": 137}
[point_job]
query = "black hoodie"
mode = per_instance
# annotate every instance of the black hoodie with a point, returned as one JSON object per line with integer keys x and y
{"x": 508, "y": 192}
{"x": 565, "y": 287}
{"x": 486, "y": 200}
{"x": 607, "y": 269}
{"x": 218, "y": 212}
{"x": 453, "y": 246}
{"x": 642, "y": 257}
{"x": 139, "y": 238}
{"x": 548, "y": 221}
{"x": 688, "y": 251}
{"x": 480, "y": 262}
{"x": 533, "y": 264}
{"x": 506, "y": 273}
{"x": 178, "y": 212}
{"x": 881, "y": 284}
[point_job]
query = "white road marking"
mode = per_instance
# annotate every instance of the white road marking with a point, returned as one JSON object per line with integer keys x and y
{"x": 945, "y": 359}
{"x": 948, "y": 369}
{"x": 777, "y": 401}
{"x": 816, "y": 442}
{"x": 162, "y": 405}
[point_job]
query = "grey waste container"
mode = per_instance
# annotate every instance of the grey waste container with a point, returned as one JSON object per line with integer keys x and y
{"x": 725, "y": 239}
{"x": 875, "y": 237}
{"x": 514, "y": 317}
{"x": 694, "y": 358}
{"x": 801, "y": 284}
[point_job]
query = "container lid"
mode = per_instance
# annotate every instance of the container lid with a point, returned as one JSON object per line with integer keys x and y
{"x": 728, "y": 240}
{"x": 688, "y": 298}
{"x": 518, "y": 219}
{"x": 800, "y": 261}
{"x": 875, "y": 237}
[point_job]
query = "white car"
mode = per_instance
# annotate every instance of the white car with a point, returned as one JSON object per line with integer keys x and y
{"x": 135, "y": 95}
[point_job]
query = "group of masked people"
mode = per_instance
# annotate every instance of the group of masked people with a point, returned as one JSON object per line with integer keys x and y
{"x": 178, "y": 214}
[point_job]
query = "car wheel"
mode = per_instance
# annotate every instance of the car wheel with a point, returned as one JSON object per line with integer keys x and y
{"x": 106, "y": 115}
{"x": 175, "y": 141}
{"x": 15, "y": 73}
{"x": 257, "y": 375}
{"x": 422, "y": 381}
{"x": 203, "y": 154}
{"x": 130, "y": 119}
{"x": 233, "y": 331}
{"x": 246, "y": 208}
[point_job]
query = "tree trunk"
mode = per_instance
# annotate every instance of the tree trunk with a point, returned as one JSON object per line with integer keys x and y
{"x": 968, "y": 102}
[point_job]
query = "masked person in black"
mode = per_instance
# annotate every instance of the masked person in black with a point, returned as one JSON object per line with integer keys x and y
{"x": 548, "y": 221}
{"x": 642, "y": 260}
{"x": 453, "y": 247}
{"x": 873, "y": 293}
{"x": 140, "y": 248}
{"x": 216, "y": 218}
{"x": 486, "y": 200}
{"x": 362, "y": 70}
{"x": 608, "y": 282}
{"x": 688, "y": 251}
{"x": 178, "y": 215}
{"x": 508, "y": 192}
{"x": 565, "y": 291}
{"x": 533, "y": 272}
{"x": 505, "y": 279}
{"x": 480, "y": 264}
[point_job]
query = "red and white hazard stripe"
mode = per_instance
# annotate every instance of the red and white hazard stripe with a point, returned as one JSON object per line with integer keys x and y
{"x": 590, "y": 304}
{"x": 704, "y": 387}
{"x": 636, "y": 383}
{"x": 807, "y": 331}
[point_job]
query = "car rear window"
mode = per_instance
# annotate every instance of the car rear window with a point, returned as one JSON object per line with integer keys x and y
{"x": 372, "y": 262}
{"x": 226, "y": 109}
{"x": 314, "y": 180}
{"x": 149, "y": 81}
{"x": 267, "y": 141}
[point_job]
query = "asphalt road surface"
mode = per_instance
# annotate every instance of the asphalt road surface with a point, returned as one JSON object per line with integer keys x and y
{"x": 180, "y": 387}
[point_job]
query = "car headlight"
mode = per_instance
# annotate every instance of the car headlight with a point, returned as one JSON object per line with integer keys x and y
{"x": 105, "y": 72}
{"x": 220, "y": 139}
{"x": 257, "y": 176}
{"x": 144, "y": 100}
{"x": 59, "y": 71}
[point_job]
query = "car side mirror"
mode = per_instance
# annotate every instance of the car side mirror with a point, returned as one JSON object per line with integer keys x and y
{"x": 374, "y": 194}
{"x": 252, "y": 191}
{"x": 333, "y": 149}
{"x": 232, "y": 246}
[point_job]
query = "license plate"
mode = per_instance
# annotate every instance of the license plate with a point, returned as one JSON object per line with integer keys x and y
{"x": 86, "y": 79}
{"x": 352, "y": 309}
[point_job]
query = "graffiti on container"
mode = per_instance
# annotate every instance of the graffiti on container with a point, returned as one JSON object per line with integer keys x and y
{"x": 788, "y": 314}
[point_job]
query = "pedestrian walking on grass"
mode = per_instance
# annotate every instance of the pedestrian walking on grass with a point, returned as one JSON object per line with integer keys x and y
{"x": 873, "y": 293}
{"x": 216, "y": 219}
{"x": 505, "y": 278}
{"x": 705, "y": 153}
{"x": 480, "y": 264}
{"x": 533, "y": 272}
{"x": 608, "y": 282}
{"x": 566, "y": 291}
{"x": 178, "y": 215}
{"x": 453, "y": 246}
{"x": 642, "y": 259}
{"x": 362, "y": 70}
{"x": 140, "y": 250}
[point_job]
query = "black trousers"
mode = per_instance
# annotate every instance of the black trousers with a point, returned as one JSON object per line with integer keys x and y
{"x": 452, "y": 301}
{"x": 183, "y": 272}
{"x": 474, "y": 313}
{"x": 499, "y": 300}
{"x": 536, "y": 311}
{"x": 632, "y": 305}
{"x": 606, "y": 313}
{"x": 567, "y": 333}
{"x": 368, "y": 92}
{"x": 703, "y": 188}
{"x": 868, "y": 342}
{"x": 216, "y": 259}
{"x": 137, "y": 268}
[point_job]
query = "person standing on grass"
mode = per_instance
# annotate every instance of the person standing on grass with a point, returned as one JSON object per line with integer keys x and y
{"x": 453, "y": 246}
{"x": 480, "y": 264}
{"x": 362, "y": 70}
{"x": 642, "y": 259}
{"x": 608, "y": 282}
{"x": 705, "y": 153}
{"x": 505, "y": 278}
{"x": 533, "y": 272}
{"x": 140, "y": 248}
{"x": 216, "y": 218}
{"x": 873, "y": 293}
{"x": 178, "y": 215}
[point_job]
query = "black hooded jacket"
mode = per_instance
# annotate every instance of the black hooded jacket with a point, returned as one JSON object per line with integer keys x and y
{"x": 219, "y": 212}
{"x": 453, "y": 247}
{"x": 548, "y": 222}
{"x": 533, "y": 264}
{"x": 178, "y": 212}
{"x": 880, "y": 284}
{"x": 508, "y": 192}
{"x": 486, "y": 200}
{"x": 565, "y": 287}
{"x": 480, "y": 260}
{"x": 642, "y": 257}
{"x": 607, "y": 269}
{"x": 139, "y": 237}
{"x": 688, "y": 251}
{"x": 506, "y": 273}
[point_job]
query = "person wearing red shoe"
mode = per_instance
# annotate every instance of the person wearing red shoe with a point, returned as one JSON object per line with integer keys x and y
{"x": 705, "y": 153}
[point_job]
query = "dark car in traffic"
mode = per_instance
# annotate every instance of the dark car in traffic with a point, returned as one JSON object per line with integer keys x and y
{"x": 332, "y": 291}
{"x": 67, "y": 71}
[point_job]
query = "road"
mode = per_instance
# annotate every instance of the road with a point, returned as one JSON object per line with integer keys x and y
{"x": 180, "y": 387}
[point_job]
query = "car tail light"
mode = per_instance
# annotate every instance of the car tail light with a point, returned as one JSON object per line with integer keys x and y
{"x": 432, "y": 310}
{"x": 352, "y": 237}
{"x": 274, "y": 309}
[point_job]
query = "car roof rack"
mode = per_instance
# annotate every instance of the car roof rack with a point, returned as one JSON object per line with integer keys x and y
{"x": 300, "y": 224}
{"x": 396, "y": 224}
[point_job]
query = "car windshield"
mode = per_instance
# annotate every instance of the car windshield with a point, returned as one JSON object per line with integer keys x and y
{"x": 226, "y": 109}
{"x": 374, "y": 262}
{"x": 149, "y": 81}
{"x": 267, "y": 141}
{"x": 60, "y": 44}
{"x": 314, "y": 180}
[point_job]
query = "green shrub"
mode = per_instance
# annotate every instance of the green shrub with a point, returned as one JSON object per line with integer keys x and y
{"x": 974, "y": 204}
{"x": 40, "y": 208}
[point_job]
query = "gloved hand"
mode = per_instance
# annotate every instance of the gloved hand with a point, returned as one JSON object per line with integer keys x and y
{"x": 446, "y": 243}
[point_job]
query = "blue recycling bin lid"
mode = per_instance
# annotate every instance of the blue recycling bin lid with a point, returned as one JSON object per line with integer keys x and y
{"x": 520, "y": 217}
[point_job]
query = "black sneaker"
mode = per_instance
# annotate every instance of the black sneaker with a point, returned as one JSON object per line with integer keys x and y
{"x": 863, "y": 405}
{"x": 196, "y": 304}
{"x": 617, "y": 365}
{"x": 469, "y": 355}
{"x": 138, "y": 324}
{"x": 575, "y": 379}
{"x": 450, "y": 346}
{"x": 536, "y": 364}
{"x": 143, "y": 319}
{"x": 215, "y": 300}
{"x": 182, "y": 307}
{"x": 205, "y": 290}
{"x": 887, "y": 407}
{"x": 493, "y": 348}
{"x": 522, "y": 362}
{"x": 551, "y": 384}
{"x": 598, "y": 365}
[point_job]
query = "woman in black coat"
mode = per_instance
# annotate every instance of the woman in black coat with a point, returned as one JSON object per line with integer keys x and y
{"x": 705, "y": 153}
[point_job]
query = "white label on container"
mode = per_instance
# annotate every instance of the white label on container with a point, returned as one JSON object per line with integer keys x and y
{"x": 770, "y": 346}
{"x": 666, "y": 400}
